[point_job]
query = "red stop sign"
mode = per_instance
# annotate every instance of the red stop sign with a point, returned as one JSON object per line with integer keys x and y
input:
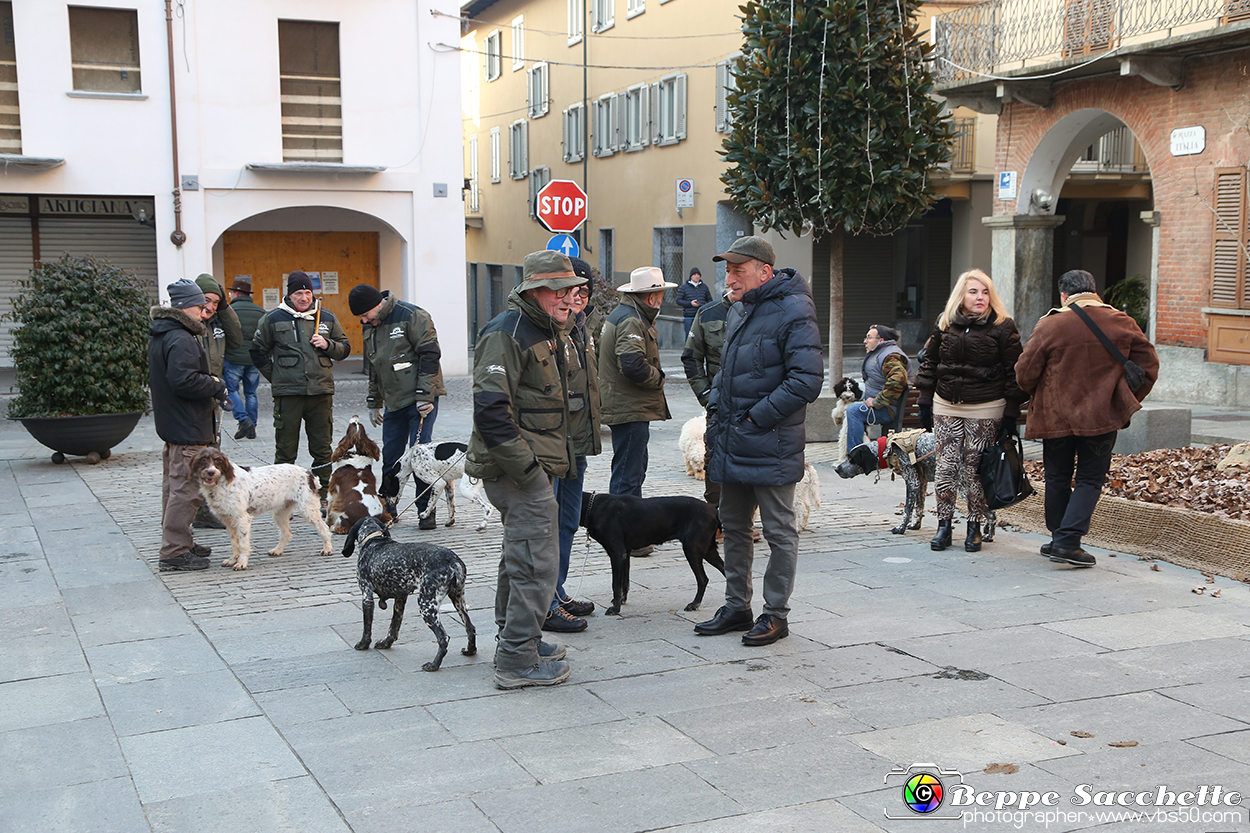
{"x": 561, "y": 206}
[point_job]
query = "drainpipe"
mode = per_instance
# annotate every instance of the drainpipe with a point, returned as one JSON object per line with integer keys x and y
{"x": 177, "y": 236}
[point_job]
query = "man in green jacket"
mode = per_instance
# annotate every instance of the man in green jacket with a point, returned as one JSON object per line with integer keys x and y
{"x": 520, "y": 442}
{"x": 295, "y": 348}
{"x": 631, "y": 383}
{"x": 239, "y": 368}
{"x": 701, "y": 361}
{"x": 402, "y": 362}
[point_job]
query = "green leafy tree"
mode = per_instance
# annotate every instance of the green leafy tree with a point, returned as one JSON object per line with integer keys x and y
{"x": 81, "y": 344}
{"x": 835, "y": 130}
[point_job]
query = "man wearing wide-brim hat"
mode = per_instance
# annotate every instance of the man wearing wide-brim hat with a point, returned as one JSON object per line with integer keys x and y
{"x": 520, "y": 442}
{"x": 631, "y": 383}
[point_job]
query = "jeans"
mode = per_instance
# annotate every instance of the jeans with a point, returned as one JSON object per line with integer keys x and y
{"x": 245, "y": 405}
{"x": 568, "y": 493}
{"x": 738, "y": 502}
{"x": 629, "y": 458}
{"x": 400, "y": 430}
{"x": 857, "y": 418}
{"x": 686, "y": 323}
{"x": 1068, "y": 508}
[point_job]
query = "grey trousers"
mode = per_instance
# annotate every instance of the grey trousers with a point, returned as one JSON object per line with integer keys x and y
{"x": 528, "y": 568}
{"x": 737, "y": 509}
{"x": 180, "y": 498}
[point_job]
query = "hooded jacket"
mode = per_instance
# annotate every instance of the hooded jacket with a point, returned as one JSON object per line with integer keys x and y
{"x": 631, "y": 383}
{"x": 972, "y": 362}
{"x": 771, "y": 368}
{"x": 520, "y": 398}
{"x": 282, "y": 352}
{"x": 183, "y": 391}
{"x": 402, "y": 356}
{"x": 1079, "y": 389}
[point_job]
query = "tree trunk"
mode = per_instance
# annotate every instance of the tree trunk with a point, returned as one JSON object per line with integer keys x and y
{"x": 836, "y": 248}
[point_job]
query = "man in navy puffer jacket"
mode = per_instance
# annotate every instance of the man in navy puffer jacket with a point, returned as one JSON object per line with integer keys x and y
{"x": 771, "y": 369}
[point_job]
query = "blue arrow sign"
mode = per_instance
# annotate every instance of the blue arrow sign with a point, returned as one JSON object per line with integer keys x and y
{"x": 564, "y": 243}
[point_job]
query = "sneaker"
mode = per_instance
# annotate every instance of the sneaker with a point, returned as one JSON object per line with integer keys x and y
{"x": 201, "y": 551}
{"x": 575, "y": 608}
{"x": 183, "y": 563}
{"x": 559, "y": 621}
{"x": 540, "y": 673}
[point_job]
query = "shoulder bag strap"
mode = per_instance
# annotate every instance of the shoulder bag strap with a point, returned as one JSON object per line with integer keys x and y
{"x": 1106, "y": 342}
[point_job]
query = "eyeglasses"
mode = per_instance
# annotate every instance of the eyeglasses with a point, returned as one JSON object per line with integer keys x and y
{"x": 563, "y": 293}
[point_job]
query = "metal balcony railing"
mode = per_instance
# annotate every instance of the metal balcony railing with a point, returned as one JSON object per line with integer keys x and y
{"x": 1000, "y": 35}
{"x": 1116, "y": 152}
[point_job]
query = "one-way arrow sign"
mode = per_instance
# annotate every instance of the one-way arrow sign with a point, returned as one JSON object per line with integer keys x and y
{"x": 564, "y": 243}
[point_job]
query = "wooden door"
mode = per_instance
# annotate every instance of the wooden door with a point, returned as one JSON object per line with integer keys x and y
{"x": 268, "y": 255}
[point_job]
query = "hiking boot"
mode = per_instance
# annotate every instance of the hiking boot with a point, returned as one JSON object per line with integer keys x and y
{"x": 541, "y": 673}
{"x": 560, "y": 621}
{"x": 251, "y": 430}
{"x": 573, "y": 607}
{"x": 247, "y": 430}
{"x": 201, "y": 551}
{"x": 183, "y": 563}
{"x": 428, "y": 523}
{"x": 549, "y": 651}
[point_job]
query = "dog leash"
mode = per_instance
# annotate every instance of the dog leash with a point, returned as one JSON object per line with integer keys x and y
{"x": 459, "y": 455}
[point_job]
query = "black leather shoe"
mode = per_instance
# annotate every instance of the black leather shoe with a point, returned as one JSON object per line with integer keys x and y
{"x": 1077, "y": 558}
{"x": 1046, "y": 548}
{"x": 574, "y": 607}
{"x": 973, "y": 542}
{"x": 724, "y": 621}
{"x": 943, "y": 538}
{"x": 768, "y": 629}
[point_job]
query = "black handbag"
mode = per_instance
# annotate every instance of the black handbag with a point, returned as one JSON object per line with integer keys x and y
{"x": 1002, "y": 472}
{"x": 1133, "y": 373}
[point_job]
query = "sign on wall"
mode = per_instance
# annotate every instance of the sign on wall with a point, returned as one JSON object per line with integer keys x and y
{"x": 685, "y": 193}
{"x": 1186, "y": 141}
{"x": 1007, "y": 185}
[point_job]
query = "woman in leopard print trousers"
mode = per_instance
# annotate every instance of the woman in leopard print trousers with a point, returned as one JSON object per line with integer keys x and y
{"x": 968, "y": 392}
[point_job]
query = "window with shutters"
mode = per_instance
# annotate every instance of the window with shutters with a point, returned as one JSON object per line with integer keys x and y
{"x": 1230, "y": 238}
{"x": 539, "y": 90}
{"x": 574, "y": 133}
{"x": 518, "y": 149}
{"x": 518, "y": 42}
{"x": 633, "y": 8}
{"x": 103, "y": 49}
{"x": 668, "y": 122}
{"x": 539, "y": 177}
{"x": 474, "y": 203}
{"x": 494, "y": 154}
{"x": 1235, "y": 10}
{"x": 10, "y": 122}
{"x": 576, "y": 17}
{"x": 602, "y": 15}
{"x": 636, "y": 119}
{"x": 606, "y": 124}
{"x": 494, "y": 58}
{"x": 312, "y": 103}
{"x": 726, "y": 81}
{"x": 1087, "y": 26}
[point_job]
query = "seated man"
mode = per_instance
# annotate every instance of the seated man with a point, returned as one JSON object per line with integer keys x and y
{"x": 885, "y": 380}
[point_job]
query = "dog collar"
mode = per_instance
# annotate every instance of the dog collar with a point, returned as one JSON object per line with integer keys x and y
{"x": 371, "y": 536}
{"x": 882, "y": 444}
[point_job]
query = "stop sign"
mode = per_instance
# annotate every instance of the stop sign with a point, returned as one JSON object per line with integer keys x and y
{"x": 561, "y": 206}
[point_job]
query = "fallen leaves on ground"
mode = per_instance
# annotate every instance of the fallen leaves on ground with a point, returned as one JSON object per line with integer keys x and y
{"x": 1001, "y": 769}
{"x": 1123, "y": 744}
{"x": 1080, "y": 734}
{"x": 1181, "y": 477}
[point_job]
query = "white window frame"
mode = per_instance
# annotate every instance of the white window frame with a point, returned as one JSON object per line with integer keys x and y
{"x": 494, "y": 154}
{"x": 605, "y": 129}
{"x": 538, "y": 90}
{"x": 518, "y": 149}
{"x": 475, "y": 204}
{"x": 493, "y": 55}
{"x": 574, "y": 129}
{"x": 576, "y": 20}
{"x": 602, "y": 15}
{"x": 668, "y": 125}
{"x": 539, "y": 177}
{"x": 518, "y": 42}
{"x": 636, "y": 118}
{"x": 726, "y": 80}
{"x": 633, "y": 8}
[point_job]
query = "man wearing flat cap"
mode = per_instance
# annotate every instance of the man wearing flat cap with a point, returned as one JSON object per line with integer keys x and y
{"x": 295, "y": 348}
{"x": 239, "y": 369}
{"x": 402, "y": 363}
{"x": 771, "y": 368}
{"x": 520, "y": 442}
{"x": 631, "y": 383}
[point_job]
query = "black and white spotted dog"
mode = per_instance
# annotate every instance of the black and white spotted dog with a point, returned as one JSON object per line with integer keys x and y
{"x": 846, "y": 390}
{"x": 916, "y": 469}
{"x": 441, "y": 465}
{"x": 395, "y": 570}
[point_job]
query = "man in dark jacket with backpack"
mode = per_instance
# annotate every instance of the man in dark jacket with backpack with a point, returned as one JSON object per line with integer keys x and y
{"x": 771, "y": 368}
{"x": 183, "y": 405}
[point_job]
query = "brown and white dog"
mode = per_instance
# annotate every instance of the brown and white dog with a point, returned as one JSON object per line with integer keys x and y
{"x": 353, "y": 490}
{"x": 236, "y": 495}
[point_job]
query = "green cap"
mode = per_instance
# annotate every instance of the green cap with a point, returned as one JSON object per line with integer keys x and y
{"x": 749, "y": 248}
{"x": 207, "y": 283}
{"x": 548, "y": 268}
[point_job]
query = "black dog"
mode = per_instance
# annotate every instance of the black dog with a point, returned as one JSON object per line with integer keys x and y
{"x": 621, "y": 523}
{"x": 394, "y": 570}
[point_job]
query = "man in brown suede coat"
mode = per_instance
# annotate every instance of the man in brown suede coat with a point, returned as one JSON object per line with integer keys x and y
{"x": 1080, "y": 399}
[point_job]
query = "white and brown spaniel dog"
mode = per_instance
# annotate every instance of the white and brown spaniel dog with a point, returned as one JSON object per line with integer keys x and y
{"x": 353, "y": 490}
{"x": 236, "y": 495}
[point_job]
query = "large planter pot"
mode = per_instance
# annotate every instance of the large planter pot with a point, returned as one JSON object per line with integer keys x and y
{"x": 93, "y": 435}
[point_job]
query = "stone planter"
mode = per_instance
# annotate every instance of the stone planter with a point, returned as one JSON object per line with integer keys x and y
{"x": 93, "y": 435}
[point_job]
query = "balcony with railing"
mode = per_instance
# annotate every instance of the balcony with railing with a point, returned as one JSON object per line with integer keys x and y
{"x": 1023, "y": 38}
